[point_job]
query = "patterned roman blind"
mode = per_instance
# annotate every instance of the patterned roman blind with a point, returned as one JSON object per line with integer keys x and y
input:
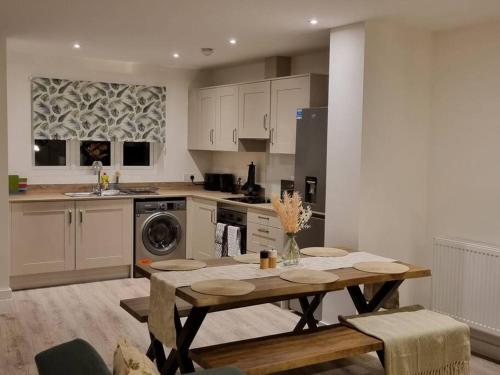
{"x": 97, "y": 111}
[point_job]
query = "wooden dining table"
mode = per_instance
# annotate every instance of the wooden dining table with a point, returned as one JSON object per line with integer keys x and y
{"x": 269, "y": 290}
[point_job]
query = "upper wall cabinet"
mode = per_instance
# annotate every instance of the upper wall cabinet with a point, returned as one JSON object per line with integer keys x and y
{"x": 288, "y": 95}
{"x": 265, "y": 110}
{"x": 213, "y": 119}
{"x": 254, "y": 107}
{"x": 226, "y": 119}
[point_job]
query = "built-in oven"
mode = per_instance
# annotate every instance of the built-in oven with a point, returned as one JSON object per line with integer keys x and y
{"x": 235, "y": 216}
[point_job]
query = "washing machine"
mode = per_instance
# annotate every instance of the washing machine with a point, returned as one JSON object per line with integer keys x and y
{"x": 160, "y": 230}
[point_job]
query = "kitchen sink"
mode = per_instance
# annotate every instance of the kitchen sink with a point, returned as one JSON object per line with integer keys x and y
{"x": 81, "y": 194}
{"x": 84, "y": 194}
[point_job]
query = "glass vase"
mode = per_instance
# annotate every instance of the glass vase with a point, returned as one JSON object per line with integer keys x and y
{"x": 291, "y": 254}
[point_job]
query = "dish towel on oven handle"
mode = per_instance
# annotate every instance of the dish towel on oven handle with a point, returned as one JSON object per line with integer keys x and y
{"x": 219, "y": 239}
{"x": 233, "y": 241}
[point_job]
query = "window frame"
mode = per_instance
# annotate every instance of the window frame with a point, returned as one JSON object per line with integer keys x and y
{"x": 116, "y": 163}
{"x": 152, "y": 159}
{"x": 51, "y": 167}
{"x": 75, "y": 157}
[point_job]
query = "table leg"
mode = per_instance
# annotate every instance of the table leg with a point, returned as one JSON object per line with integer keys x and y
{"x": 151, "y": 352}
{"x": 158, "y": 353}
{"x": 378, "y": 299}
{"x": 179, "y": 358}
{"x": 364, "y": 306}
{"x": 308, "y": 310}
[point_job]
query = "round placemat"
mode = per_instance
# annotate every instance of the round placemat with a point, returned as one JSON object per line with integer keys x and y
{"x": 305, "y": 276}
{"x": 223, "y": 287}
{"x": 324, "y": 252}
{"x": 250, "y": 258}
{"x": 381, "y": 267}
{"x": 178, "y": 265}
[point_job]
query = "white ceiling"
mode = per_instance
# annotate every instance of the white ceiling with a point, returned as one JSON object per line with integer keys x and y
{"x": 150, "y": 31}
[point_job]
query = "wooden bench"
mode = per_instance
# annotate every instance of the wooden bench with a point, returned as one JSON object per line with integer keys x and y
{"x": 287, "y": 351}
{"x": 139, "y": 307}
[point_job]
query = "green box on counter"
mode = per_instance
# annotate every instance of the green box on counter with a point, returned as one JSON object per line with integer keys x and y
{"x": 13, "y": 183}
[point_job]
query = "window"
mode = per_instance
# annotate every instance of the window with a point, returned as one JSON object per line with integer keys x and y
{"x": 91, "y": 151}
{"x": 49, "y": 153}
{"x": 136, "y": 154}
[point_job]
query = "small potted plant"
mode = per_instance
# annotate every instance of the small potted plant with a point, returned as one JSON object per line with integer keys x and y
{"x": 294, "y": 217}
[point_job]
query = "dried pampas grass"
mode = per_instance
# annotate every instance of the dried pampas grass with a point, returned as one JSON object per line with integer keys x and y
{"x": 292, "y": 214}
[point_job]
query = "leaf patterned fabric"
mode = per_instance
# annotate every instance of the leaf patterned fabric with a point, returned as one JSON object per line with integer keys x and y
{"x": 97, "y": 111}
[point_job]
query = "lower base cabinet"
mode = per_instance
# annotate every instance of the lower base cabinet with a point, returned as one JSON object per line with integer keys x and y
{"x": 103, "y": 233}
{"x": 68, "y": 235}
{"x": 202, "y": 219}
{"x": 264, "y": 231}
{"x": 42, "y": 237}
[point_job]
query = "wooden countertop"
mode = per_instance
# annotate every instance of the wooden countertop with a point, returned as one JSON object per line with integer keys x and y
{"x": 162, "y": 193}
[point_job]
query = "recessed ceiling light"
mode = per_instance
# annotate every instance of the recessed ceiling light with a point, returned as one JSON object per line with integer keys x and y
{"x": 313, "y": 21}
{"x": 176, "y": 55}
{"x": 76, "y": 46}
{"x": 232, "y": 41}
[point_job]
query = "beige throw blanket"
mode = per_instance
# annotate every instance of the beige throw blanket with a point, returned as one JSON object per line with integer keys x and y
{"x": 419, "y": 342}
{"x": 164, "y": 284}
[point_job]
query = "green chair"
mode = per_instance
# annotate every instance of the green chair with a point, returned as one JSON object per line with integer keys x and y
{"x": 78, "y": 357}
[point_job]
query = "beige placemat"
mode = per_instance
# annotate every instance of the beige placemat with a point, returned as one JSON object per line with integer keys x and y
{"x": 305, "y": 276}
{"x": 251, "y": 258}
{"x": 324, "y": 252}
{"x": 178, "y": 265}
{"x": 381, "y": 267}
{"x": 223, "y": 287}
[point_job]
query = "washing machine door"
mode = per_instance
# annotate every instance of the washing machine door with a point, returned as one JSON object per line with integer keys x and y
{"x": 161, "y": 233}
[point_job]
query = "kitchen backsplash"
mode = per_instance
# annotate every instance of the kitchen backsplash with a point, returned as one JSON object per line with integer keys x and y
{"x": 270, "y": 168}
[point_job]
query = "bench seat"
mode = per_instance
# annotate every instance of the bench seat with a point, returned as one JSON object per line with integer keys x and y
{"x": 269, "y": 354}
{"x": 139, "y": 307}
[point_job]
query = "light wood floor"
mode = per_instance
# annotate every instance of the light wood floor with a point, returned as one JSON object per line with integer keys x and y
{"x": 42, "y": 318}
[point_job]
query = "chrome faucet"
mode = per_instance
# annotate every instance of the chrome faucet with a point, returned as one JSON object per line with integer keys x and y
{"x": 97, "y": 166}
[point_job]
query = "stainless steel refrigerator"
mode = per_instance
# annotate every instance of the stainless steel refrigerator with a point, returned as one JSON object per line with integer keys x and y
{"x": 310, "y": 170}
{"x": 310, "y": 178}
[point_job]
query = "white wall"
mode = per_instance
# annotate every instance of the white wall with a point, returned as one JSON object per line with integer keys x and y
{"x": 345, "y": 121}
{"x": 174, "y": 159}
{"x": 4, "y": 207}
{"x": 465, "y": 154}
{"x": 395, "y": 148}
{"x": 378, "y": 143}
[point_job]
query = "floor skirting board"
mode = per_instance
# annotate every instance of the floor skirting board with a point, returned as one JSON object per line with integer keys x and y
{"x": 68, "y": 277}
{"x": 485, "y": 345}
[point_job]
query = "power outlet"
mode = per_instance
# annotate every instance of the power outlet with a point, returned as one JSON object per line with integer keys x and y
{"x": 187, "y": 177}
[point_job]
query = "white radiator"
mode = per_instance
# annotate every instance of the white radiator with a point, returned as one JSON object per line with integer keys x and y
{"x": 466, "y": 283}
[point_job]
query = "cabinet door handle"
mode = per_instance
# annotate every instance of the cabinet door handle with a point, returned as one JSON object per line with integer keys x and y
{"x": 263, "y": 230}
{"x": 212, "y": 217}
{"x": 272, "y": 136}
{"x": 70, "y": 212}
{"x": 81, "y": 216}
{"x": 263, "y": 217}
{"x": 265, "y": 121}
{"x": 234, "y": 135}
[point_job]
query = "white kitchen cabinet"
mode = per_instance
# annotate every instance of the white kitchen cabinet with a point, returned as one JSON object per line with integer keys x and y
{"x": 213, "y": 119}
{"x": 264, "y": 231}
{"x": 103, "y": 233}
{"x": 226, "y": 119}
{"x": 288, "y": 95}
{"x": 201, "y": 221}
{"x": 253, "y": 110}
{"x": 207, "y": 104}
{"x": 42, "y": 237}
